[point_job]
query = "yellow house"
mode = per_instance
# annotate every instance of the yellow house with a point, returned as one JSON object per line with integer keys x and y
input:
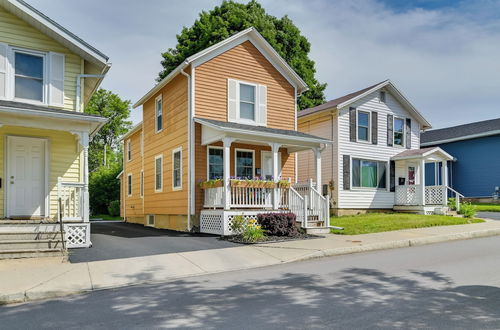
{"x": 47, "y": 76}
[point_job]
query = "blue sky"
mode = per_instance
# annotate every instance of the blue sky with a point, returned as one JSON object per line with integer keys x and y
{"x": 443, "y": 55}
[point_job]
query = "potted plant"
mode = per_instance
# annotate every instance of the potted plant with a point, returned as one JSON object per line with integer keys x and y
{"x": 284, "y": 184}
{"x": 214, "y": 183}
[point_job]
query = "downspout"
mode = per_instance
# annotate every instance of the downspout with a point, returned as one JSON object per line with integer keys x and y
{"x": 189, "y": 146}
{"x": 79, "y": 86}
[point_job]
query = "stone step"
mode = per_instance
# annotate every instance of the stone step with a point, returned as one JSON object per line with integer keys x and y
{"x": 40, "y": 244}
{"x": 318, "y": 230}
{"x": 28, "y": 227}
{"x": 11, "y": 236}
{"x": 31, "y": 253}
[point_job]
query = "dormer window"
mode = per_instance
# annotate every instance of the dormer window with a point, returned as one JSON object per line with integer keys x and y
{"x": 28, "y": 76}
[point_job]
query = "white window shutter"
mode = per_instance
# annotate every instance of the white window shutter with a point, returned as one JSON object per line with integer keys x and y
{"x": 3, "y": 70}
{"x": 56, "y": 79}
{"x": 262, "y": 106}
{"x": 232, "y": 100}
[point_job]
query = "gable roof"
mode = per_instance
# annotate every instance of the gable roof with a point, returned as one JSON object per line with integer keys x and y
{"x": 348, "y": 99}
{"x": 422, "y": 153}
{"x": 48, "y": 26}
{"x": 134, "y": 129}
{"x": 250, "y": 34}
{"x": 461, "y": 132}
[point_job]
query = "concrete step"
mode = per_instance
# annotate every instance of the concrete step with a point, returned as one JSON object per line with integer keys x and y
{"x": 30, "y": 244}
{"x": 11, "y": 236}
{"x": 29, "y": 227}
{"x": 318, "y": 230}
{"x": 31, "y": 253}
{"x": 315, "y": 223}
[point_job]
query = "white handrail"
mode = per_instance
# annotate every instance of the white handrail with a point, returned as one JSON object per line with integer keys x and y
{"x": 457, "y": 197}
{"x": 72, "y": 204}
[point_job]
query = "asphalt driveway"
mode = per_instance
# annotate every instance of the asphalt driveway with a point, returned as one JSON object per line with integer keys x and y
{"x": 488, "y": 215}
{"x": 116, "y": 240}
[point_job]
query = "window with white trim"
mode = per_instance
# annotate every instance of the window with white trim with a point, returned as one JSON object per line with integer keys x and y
{"x": 177, "y": 169}
{"x": 129, "y": 184}
{"x": 141, "y": 188}
{"x": 29, "y": 76}
{"x": 215, "y": 163}
{"x": 363, "y": 126}
{"x": 129, "y": 150}
{"x": 158, "y": 173}
{"x": 399, "y": 132}
{"x": 369, "y": 173}
{"x": 244, "y": 164}
{"x": 158, "y": 114}
{"x": 247, "y": 102}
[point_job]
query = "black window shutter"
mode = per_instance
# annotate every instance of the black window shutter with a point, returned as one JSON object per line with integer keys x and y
{"x": 352, "y": 124}
{"x": 390, "y": 125}
{"x": 374, "y": 127}
{"x": 392, "y": 179}
{"x": 346, "y": 160}
{"x": 408, "y": 133}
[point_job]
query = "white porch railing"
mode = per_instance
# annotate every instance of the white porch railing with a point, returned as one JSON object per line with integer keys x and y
{"x": 318, "y": 207}
{"x": 72, "y": 200}
{"x": 434, "y": 195}
{"x": 249, "y": 197}
{"x": 214, "y": 197}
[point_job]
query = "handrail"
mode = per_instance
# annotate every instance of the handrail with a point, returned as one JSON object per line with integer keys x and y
{"x": 456, "y": 192}
{"x": 61, "y": 226}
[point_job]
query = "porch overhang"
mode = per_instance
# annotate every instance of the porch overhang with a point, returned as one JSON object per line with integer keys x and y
{"x": 433, "y": 154}
{"x": 34, "y": 116}
{"x": 294, "y": 141}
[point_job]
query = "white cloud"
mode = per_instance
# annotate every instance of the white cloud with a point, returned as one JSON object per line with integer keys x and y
{"x": 444, "y": 60}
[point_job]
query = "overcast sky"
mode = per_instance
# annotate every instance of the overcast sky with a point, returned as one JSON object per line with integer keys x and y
{"x": 443, "y": 55}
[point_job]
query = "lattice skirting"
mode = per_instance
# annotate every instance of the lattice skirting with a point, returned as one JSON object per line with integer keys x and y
{"x": 77, "y": 235}
{"x": 219, "y": 221}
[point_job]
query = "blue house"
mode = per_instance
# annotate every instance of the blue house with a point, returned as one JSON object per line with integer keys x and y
{"x": 476, "y": 146}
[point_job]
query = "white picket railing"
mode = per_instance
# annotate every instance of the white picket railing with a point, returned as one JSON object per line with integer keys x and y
{"x": 318, "y": 206}
{"x": 249, "y": 197}
{"x": 297, "y": 204}
{"x": 72, "y": 200}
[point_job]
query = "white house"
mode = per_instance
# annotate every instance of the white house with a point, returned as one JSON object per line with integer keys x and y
{"x": 375, "y": 162}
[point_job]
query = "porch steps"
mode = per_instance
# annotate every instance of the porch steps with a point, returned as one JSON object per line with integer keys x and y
{"x": 30, "y": 239}
{"x": 315, "y": 226}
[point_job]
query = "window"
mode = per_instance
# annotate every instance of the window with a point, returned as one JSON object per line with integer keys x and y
{"x": 399, "y": 132}
{"x": 244, "y": 163}
{"x": 215, "y": 163}
{"x": 129, "y": 150}
{"x": 247, "y": 102}
{"x": 142, "y": 184}
{"x": 177, "y": 168}
{"x": 28, "y": 76}
{"x": 369, "y": 174}
{"x": 159, "y": 114}
{"x": 129, "y": 184}
{"x": 151, "y": 220}
{"x": 363, "y": 126}
{"x": 382, "y": 96}
{"x": 159, "y": 173}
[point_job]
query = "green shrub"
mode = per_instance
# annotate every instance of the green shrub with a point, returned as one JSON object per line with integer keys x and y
{"x": 252, "y": 232}
{"x": 279, "y": 224}
{"x": 114, "y": 208}
{"x": 104, "y": 188}
{"x": 452, "y": 204}
{"x": 467, "y": 210}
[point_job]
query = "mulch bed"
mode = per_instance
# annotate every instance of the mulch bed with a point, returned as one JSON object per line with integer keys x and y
{"x": 270, "y": 239}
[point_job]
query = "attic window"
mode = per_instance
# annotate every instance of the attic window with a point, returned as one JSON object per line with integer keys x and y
{"x": 382, "y": 96}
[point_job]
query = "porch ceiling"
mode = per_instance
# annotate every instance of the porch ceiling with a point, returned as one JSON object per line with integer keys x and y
{"x": 294, "y": 141}
{"x": 433, "y": 154}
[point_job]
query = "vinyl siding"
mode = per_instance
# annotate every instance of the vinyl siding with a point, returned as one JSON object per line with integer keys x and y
{"x": 243, "y": 62}
{"x": 134, "y": 203}
{"x": 64, "y": 160}
{"x": 16, "y": 32}
{"x": 360, "y": 198}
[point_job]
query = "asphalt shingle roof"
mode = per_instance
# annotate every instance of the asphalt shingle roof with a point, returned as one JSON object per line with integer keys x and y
{"x": 461, "y": 131}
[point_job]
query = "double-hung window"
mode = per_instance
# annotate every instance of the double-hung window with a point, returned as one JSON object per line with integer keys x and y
{"x": 369, "y": 173}
{"x": 399, "y": 132}
{"x": 158, "y": 114}
{"x": 247, "y": 102}
{"x": 244, "y": 164}
{"x": 29, "y": 76}
{"x": 363, "y": 126}
{"x": 129, "y": 184}
{"x": 129, "y": 150}
{"x": 159, "y": 173}
{"x": 215, "y": 163}
{"x": 177, "y": 169}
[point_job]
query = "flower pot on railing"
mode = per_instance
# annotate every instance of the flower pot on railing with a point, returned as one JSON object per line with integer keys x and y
{"x": 252, "y": 183}
{"x": 211, "y": 184}
{"x": 284, "y": 184}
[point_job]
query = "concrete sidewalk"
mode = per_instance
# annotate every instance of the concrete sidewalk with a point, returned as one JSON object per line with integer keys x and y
{"x": 31, "y": 279}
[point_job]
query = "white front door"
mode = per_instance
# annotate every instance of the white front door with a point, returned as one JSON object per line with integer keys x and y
{"x": 267, "y": 164}
{"x": 26, "y": 176}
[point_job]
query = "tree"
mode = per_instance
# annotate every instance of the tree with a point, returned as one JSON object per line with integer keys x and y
{"x": 109, "y": 105}
{"x": 231, "y": 17}
{"x": 104, "y": 188}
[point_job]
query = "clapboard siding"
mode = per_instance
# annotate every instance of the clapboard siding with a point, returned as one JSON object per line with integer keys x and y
{"x": 365, "y": 198}
{"x": 16, "y": 32}
{"x": 134, "y": 203}
{"x": 243, "y": 62}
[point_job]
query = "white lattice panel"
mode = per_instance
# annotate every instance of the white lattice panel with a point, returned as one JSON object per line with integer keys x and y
{"x": 435, "y": 195}
{"x": 77, "y": 235}
{"x": 212, "y": 222}
{"x": 407, "y": 195}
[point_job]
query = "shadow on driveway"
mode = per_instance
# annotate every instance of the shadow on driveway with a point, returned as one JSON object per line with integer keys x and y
{"x": 116, "y": 240}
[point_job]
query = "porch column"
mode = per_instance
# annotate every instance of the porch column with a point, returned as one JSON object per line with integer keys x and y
{"x": 422, "y": 181}
{"x": 227, "y": 164}
{"x": 317, "y": 153}
{"x": 86, "y": 203}
{"x": 276, "y": 192}
{"x": 444, "y": 170}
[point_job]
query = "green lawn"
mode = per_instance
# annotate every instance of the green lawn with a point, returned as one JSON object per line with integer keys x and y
{"x": 105, "y": 217}
{"x": 379, "y": 222}
{"x": 487, "y": 207}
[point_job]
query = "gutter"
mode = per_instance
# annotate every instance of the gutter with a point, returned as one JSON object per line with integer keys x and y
{"x": 79, "y": 84}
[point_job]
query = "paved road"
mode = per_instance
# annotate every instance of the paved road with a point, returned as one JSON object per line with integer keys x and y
{"x": 488, "y": 215}
{"x": 446, "y": 286}
{"x": 115, "y": 240}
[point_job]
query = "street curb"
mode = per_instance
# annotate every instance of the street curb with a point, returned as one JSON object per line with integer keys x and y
{"x": 28, "y": 296}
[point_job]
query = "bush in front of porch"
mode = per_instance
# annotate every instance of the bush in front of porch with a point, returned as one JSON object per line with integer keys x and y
{"x": 380, "y": 222}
